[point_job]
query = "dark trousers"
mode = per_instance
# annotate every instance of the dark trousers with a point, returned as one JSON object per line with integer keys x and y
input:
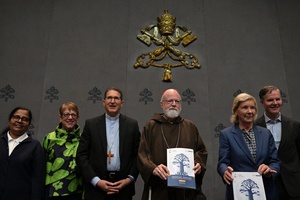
{"x": 113, "y": 176}
{"x": 69, "y": 197}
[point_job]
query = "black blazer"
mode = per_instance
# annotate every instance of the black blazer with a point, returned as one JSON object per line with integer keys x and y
{"x": 288, "y": 154}
{"x": 92, "y": 154}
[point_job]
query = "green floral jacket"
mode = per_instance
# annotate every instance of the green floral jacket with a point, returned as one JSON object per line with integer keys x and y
{"x": 62, "y": 176}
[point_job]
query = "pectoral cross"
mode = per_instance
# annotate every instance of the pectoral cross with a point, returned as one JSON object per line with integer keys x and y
{"x": 109, "y": 155}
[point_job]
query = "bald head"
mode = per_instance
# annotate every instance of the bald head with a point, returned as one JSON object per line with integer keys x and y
{"x": 170, "y": 92}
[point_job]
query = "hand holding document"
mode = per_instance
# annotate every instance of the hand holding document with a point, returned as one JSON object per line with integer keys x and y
{"x": 248, "y": 185}
{"x": 180, "y": 162}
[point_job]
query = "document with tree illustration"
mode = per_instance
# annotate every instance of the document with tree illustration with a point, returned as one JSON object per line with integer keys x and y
{"x": 180, "y": 162}
{"x": 248, "y": 185}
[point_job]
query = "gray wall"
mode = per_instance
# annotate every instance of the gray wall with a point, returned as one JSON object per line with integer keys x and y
{"x": 57, "y": 51}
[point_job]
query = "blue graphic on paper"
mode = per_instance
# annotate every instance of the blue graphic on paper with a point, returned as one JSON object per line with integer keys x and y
{"x": 181, "y": 161}
{"x": 249, "y": 188}
{"x": 181, "y": 173}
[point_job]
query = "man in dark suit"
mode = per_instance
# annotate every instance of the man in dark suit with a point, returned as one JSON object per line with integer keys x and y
{"x": 107, "y": 152}
{"x": 286, "y": 133}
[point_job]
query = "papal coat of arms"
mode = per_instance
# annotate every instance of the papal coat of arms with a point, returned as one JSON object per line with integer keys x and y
{"x": 166, "y": 35}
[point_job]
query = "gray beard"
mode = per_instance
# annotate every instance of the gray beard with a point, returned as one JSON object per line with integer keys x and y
{"x": 172, "y": 113}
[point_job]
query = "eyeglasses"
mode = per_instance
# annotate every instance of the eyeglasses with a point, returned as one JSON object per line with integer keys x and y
{"x": 67, "y": 115}
{"x": 110, "y": 98}
{"x": 18, "y": 117}
{"x": 171, "y": 101}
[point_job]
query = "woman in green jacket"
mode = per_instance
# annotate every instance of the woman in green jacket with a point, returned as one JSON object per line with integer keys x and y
{"x": 63, "y": 181}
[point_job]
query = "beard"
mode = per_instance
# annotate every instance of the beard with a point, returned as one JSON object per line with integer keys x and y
{"x": 172, "y": 113}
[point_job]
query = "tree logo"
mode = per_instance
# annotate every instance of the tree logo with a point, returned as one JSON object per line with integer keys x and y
{"x": 181, "y": 161}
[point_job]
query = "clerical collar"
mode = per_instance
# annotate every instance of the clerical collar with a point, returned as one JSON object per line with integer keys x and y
{"x": 112, "y": 118}
{"x": 268, "y": 120}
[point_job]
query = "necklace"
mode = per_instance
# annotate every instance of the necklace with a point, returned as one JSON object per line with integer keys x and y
{"x": 109, "y": 154}
{"x": 162, "y": 133}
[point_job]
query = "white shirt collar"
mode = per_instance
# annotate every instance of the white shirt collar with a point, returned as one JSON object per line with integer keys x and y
{"x": 19, "y": 139}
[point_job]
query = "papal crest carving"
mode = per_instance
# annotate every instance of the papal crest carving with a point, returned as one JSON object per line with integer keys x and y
{"x": 167, "y": 36}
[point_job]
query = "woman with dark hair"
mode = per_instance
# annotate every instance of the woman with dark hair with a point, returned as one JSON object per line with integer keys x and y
{"x": 22, "y": 160}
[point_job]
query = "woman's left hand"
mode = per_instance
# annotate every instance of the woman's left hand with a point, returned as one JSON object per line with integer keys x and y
{"x": 265, "y": 170}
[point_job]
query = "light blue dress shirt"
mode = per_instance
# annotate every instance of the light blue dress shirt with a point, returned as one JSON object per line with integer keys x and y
{"x": 112, "y": 135}
{"x": 275, "y": 127}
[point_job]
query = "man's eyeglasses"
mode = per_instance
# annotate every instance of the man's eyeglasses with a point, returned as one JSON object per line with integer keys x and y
{"x": 18, "y": 117}
{"x": 171, "y": 101}
{"x": 67, "y": 115}
{"x": 110, "y": 98}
